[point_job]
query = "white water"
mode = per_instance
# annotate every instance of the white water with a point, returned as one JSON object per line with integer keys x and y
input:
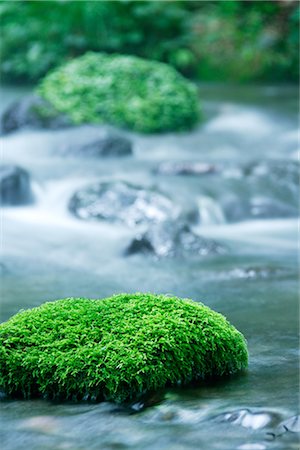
{"x": 210, "y": 211}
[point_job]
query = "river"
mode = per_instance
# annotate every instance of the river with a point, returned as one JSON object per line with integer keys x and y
{"x": 50, "y": 254}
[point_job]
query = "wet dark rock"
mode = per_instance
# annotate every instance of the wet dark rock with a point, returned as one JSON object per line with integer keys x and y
{"x": 32, "y": 112}
{"x": 172, "y": 239}
{"x": 145, "y": 401}
{"x": 3, "y": 396}
{"x": 106, "y": 144}
{"x": 122, "y": 202}
{"x": 185, "y": 168}
{"x": 140, "y": 244}
{"x": 14, "y": 186}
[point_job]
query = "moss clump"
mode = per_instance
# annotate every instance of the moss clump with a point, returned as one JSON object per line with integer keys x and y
{"x": 116, "y": 348}
{"x": 125, "y": 91}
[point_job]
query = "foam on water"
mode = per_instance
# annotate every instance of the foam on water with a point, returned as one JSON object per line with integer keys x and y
{"x": 239, "y": 120}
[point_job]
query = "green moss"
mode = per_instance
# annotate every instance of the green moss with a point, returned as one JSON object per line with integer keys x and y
{"x": 116, "y": 348}
{"x": 125, "y": 91}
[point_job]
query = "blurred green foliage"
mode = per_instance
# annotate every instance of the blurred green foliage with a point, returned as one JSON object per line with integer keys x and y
{"x": 126, "y": 91}
{"x": 208, "y": 40}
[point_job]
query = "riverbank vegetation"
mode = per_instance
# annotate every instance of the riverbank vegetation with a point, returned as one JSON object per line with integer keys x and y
{"x": 212, "y": 40}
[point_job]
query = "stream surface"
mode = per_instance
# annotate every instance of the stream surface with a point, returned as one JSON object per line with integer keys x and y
{"x": 50, "y": 254}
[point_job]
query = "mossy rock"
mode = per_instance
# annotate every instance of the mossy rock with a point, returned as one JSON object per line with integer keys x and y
{"x": 126, "y": 91}
{"x": 116, "y": 348}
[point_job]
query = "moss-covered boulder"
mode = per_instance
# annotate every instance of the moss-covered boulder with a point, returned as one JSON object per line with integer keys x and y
{"x": 125, "y": 91}
{"x": 116, "y": 348}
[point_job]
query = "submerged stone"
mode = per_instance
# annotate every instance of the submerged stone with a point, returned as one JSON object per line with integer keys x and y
{"x": 257, "y": 190}
{"x": 125, "y": 91}
{"x": 121, "y": 202}
{"x": 274, "y": 186}
{"x": 116, "y": 348}
{"x": 284, "y": 172}
{"x": 105, "y": 144}
{"x": 41, "y": 424}
{"x": 32, "y": 112}
{"x": 257, "y": 207}
{"x": 292, "y": 424}
{"x": 268, "y": 208}
{"x": 173, "y": 239}
{"x": 186, "y": 168}
{"x": 15, "y": 186}
{"x": 247, "y": 418}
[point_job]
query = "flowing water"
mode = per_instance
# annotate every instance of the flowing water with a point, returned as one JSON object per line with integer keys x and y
{"x": 245, "y": 204}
